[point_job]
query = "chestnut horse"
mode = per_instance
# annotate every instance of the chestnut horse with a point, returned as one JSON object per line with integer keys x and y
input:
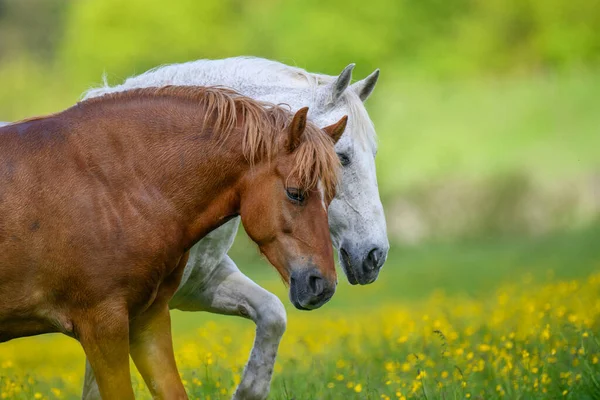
{"x": 100, "y": 204}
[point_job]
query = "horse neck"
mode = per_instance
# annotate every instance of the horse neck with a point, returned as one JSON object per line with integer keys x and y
{"x": 166, "y": 148}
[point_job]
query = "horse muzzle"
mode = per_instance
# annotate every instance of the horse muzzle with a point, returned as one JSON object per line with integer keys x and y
{"x": 309, "y": 289}
{"x": 362, "y": 266}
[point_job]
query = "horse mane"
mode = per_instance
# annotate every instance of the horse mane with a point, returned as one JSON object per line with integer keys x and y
{"x": 191, "y": 73}
{"x": 261, "y": 123}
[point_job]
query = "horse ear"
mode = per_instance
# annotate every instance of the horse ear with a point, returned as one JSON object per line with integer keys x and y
{"x": 297, "y": 129}
{"x": 364, "y": 88}
{"x": 336, "y": 130}
{"x": 342, "y": 82}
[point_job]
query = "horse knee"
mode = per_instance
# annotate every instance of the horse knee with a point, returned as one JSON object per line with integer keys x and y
{"x": 271, "y": 316}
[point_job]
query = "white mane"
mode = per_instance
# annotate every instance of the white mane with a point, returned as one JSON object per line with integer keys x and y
{"x": 240, "y": 73}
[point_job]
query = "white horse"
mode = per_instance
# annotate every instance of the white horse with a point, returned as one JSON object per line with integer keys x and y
{"x": 211, "y": 281}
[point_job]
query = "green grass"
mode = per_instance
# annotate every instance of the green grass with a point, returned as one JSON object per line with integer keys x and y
{"x": 443, "y": 281}
{"x": 457, "y": 286}
{"x": 494, "y": 301}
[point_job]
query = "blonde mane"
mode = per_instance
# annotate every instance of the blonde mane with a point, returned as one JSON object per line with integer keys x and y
{"x": 262, "y": 125}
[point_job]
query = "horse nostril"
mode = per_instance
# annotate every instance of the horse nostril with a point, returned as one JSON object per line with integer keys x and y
{"x": 316, "y": 284}
{"x": 374, "y": 259}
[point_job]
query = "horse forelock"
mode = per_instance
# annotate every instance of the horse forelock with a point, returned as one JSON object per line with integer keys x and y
{"x": 262, "y": 124}
{"x": 316, "y": 163}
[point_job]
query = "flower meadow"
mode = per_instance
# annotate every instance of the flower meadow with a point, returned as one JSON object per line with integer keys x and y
{"x": 522, "y": 341}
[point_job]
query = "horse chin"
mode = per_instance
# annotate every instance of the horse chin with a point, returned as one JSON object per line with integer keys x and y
{"x": 355, "y": 277}
{"x": 346, "y": 264}
{"x": 297, "y": 304}
{"x": 304, "y": 302}
{"x": 294, "y": 297}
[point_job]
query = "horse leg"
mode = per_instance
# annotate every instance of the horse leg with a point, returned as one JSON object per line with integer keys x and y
{"x": 90, "y": 385}
{"x": 232, "y": 293}
{"x": 151, "y": 348}
{"x": 149, "y": 331}
{"x": 151, "y": 344}
{"x": 105, "y": 340}
{"x": 152, "y": 352}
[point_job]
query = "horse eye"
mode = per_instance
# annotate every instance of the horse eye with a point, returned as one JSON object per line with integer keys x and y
{"x": 295, "y": 195}
{"x": 344, "y": 159}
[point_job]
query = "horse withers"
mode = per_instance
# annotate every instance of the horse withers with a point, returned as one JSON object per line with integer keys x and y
{"x": 100, "y": 204}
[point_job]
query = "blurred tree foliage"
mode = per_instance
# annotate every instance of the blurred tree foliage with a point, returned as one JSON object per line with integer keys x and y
{"x": 434, "y": 36}
{"x": 32, "y": 26}
{"x": 69, "y": 45}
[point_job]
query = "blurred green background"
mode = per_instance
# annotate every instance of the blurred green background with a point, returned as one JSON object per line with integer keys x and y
{"x": 488, "y": 112}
